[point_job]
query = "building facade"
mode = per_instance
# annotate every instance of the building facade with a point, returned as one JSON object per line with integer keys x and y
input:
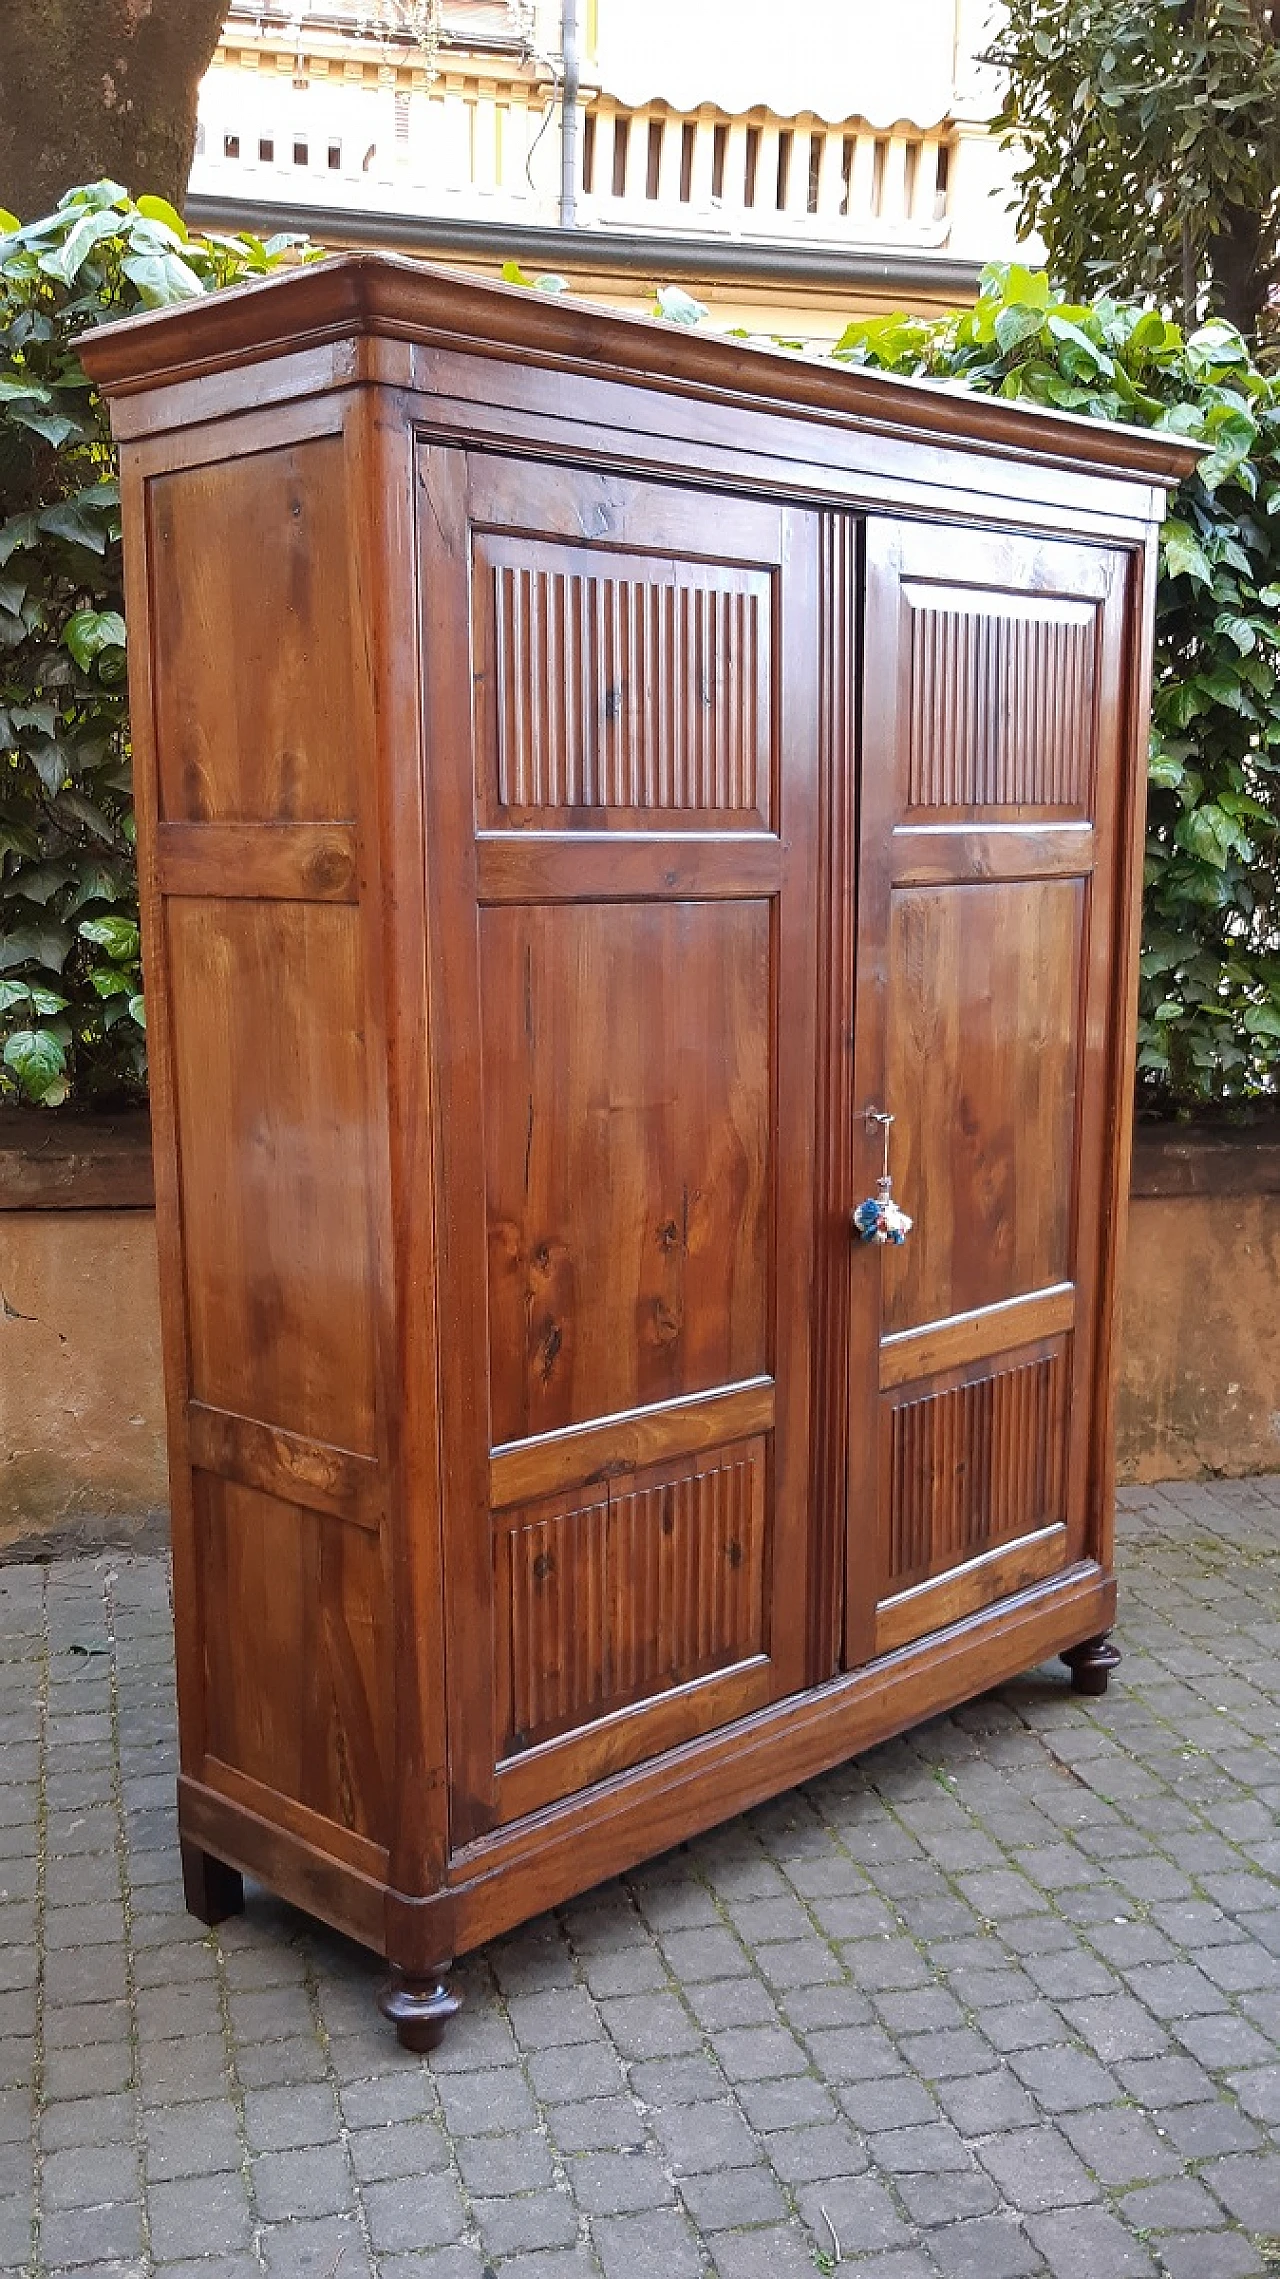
{"x": 794, "y": 165}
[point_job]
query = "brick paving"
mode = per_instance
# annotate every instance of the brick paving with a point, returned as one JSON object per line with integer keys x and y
{"x": 1000, "y": 1998}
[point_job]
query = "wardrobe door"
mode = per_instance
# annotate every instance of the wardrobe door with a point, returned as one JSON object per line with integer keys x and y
{"x": 990, "y": 783}
{"x": 622, "y": 784}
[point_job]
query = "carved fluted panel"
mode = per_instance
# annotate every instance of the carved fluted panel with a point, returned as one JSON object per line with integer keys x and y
{"x": 619, "y": 1593}
{"x": 975, "y": 1465}
{"x": 623, "y": 687}
{"x": 1002, "y": 694}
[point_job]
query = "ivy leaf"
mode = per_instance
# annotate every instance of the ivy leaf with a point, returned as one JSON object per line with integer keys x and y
{"x": 117, "y": 936}
{"x": 91, "y": 631}
{"x": 37, "y": 1060}
{"x": 68, "y": 520}
{"x": 111, "y": 980}
{"x": 1184, "y": 555}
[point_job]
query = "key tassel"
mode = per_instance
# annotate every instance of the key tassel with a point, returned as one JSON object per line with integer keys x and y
{"x": 880, "y": 1219}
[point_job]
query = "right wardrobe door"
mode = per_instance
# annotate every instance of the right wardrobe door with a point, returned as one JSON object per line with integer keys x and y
{"x": 991, "y": 783}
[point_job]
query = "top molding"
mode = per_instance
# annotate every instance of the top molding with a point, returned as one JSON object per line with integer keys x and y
{"x": 402, "y": 299}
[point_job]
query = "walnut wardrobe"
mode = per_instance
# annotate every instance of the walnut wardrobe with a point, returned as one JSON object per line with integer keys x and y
{"x": 589, "y": 776}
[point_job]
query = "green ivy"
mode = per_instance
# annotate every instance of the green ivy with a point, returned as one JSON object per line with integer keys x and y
{"x": 1209, "y": 1001}
{"x": 72, "y": 1018}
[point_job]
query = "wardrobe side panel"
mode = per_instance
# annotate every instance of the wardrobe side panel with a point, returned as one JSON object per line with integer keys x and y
{"x": 270, "y": 1114}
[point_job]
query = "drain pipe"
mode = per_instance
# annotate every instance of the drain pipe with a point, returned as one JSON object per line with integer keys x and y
{"x": 569, "y": 114}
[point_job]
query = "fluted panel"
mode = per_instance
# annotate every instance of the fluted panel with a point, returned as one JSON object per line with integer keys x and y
{"x": 620, "y": 693}
{"x": 635, "y": 1589}
{"x": 1001, "y": 705}
{"x": 974, "y": 1466}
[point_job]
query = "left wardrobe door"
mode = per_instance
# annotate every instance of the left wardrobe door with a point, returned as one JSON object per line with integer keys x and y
{"x": 619, "y": 691}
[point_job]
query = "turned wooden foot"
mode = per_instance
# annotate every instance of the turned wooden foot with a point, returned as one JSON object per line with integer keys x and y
{"x": 213, "y": 1890}
{"x": 1091, "y": 1664}
{"x": 419, "y": 2008}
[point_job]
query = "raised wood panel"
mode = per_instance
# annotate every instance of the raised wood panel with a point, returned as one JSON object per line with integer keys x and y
{"x": 929, "y": 855}
{"x": 286, "y": 1465}
{"x": 982, "y": 1040}
{"x": 914, "y": 1353}
{"x": 643, "y": 1585}
{"x": 592, "y": 1452}
{"x": 613, "y": 866}
{"x": 963, "y": 1592}
{"x": 271, "y": 1104}
{"x": 289, "y": 862}
{"x": 296, "y": 1653}
{"x": 617, "y": 687}
{"x": 972, "y": 1463}
{"x": 627, "y": 1071}
{"x": 1002, "y": 690}
{"x": 251, "y": 625}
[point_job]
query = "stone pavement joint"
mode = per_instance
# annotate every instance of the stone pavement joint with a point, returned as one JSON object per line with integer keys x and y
{"x": 999, "y": 2000}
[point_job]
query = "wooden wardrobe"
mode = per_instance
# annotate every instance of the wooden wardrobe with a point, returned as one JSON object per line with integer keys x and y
{"x": 588, "y": 771}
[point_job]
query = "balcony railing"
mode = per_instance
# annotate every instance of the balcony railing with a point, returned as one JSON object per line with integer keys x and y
{"x": 370, "y": 134}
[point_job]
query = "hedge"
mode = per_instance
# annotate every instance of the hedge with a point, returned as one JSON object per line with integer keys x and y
{"x": 71, "y": 1005}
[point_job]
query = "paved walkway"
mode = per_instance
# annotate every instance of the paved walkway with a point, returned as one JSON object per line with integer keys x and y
{"x": 1001, "y": 1998}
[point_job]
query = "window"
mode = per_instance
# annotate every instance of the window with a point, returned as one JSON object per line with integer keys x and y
{"x": 940, "y": 188}
{"x": 402, "y": 115}
{"x": 266, "y": 150}
{"x": 815, "y": 170}
{"x": 589, "y": 153}
{"x": 687, "y": 133}
{"x": 784, "y": 169}
{"x": 753, "y": 161}
{"x": 653, "y": 167}
{"x": 621, "y": 137}
{"x": 231, "y": 146}
{"x": 719, "y": 147}
{"x": 300, "y": 154}
{"x": 878, "y": 166}
{"x": 335, "y": 156}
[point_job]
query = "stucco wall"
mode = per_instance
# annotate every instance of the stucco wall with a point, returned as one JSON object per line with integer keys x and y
{"x": 81, "y": 1415}
{"x": 1200, "y": 1334}
{"x": 81, "y": 1412}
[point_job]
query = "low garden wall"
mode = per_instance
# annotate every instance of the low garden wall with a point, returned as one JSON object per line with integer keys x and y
{"x": 82, "y": 1460}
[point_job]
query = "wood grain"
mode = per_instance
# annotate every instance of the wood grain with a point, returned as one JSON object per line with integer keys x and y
{"x": 299, "y": 1680}
{"x": 268, "y": 1035}
{"x": 981, "y": 1071}
{"x": 648, "y": 1435}
{"x": 909, "y": 1354}
{"x": 598, "y": 866}
{"x": 249, "y": 563}
{"x": 291, "y": 862}
{"x": 287, "y": 1465}
{"x": 629, "y": 1173}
